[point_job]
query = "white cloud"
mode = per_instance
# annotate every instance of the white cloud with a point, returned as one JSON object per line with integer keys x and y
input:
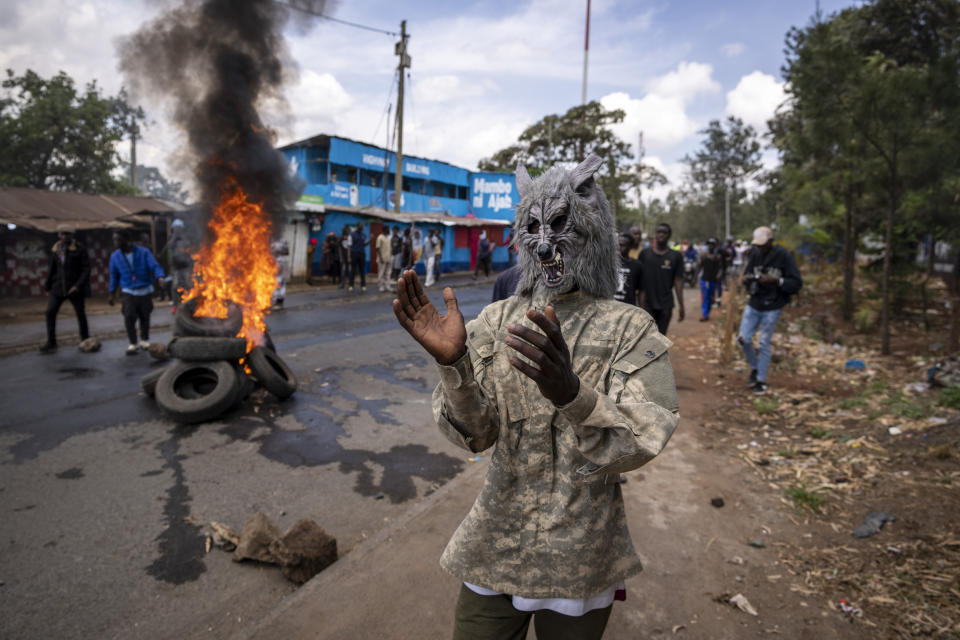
{"x": 755, "y": 99}
{"x": 662, "y": 112}
{"x": 663, "y": 120}
{"x": 448, "y": 87}
{"x": 686, "y": 82}
{"x": 732, "y": 49}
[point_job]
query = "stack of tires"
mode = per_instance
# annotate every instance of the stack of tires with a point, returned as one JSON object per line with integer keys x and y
{"x": 208, "y": 379}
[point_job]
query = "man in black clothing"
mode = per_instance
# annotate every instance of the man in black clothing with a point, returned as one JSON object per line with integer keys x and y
{"x": 358, "y": 256}
{"x": 630, "y": 276}
{"x": 67, "y": 279}
{"x": 396, "y": 253}
{"x": 506, "y": 283}
{"x": 710, "y": 269}
{"x": 771, "y": 276}
{"x": 662, "y": 269}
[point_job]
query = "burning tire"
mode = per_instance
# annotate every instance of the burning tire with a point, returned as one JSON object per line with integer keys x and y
{"x": 207, "y": 349}
{"x": 187, "y": 324}
{"x": 191, "y": 392}
{"x": 272, "y": 372}
{"x": 149, "y": 381}
{"x": 245, "y": 385}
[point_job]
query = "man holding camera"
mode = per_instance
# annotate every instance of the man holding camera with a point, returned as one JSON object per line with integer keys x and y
{"x": 771, "y": 276}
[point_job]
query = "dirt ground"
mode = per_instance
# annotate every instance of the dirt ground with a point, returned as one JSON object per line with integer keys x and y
{"x": 802, "y": 467}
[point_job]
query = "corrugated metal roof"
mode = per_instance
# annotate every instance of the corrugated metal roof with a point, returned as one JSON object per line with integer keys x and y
{"x": 416, "y": 216}
{"x": 44, "y": 210}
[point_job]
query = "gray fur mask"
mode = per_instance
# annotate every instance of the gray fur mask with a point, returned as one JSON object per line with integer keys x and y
{"x": 565, "y": 234}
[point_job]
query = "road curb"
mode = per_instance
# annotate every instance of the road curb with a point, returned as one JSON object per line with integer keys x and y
{"x": 301, "y": 613}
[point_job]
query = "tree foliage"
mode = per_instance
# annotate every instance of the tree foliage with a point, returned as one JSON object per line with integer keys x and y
{"x": 870, "y": 130}
{"x": 54, "y": 136}
{"x": 569, "y": 138}
{"x": 730, "y": 154}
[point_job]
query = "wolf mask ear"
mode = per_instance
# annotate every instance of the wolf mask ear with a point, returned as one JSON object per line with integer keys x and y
{"x": 523, "y": 181}
{"x": 581, "y": 178}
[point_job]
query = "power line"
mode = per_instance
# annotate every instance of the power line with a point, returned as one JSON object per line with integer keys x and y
{"x": 338, "y": 20}
{"x": 393, "y": 81}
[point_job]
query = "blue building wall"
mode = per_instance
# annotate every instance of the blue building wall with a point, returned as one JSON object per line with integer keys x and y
{"x": 352, "y": 173}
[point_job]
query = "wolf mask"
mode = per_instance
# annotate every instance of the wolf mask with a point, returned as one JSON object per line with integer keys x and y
{"x": 565, "y": 234}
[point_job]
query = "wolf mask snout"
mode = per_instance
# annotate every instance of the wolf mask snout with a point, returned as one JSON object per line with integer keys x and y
{"x": 545, "y": 251}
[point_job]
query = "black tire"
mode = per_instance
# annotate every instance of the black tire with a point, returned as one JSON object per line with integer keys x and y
{"x": 272, "y": 372}
{"x": 149, "y": 381}
{"x": 245, "y": 385}
{"x": 186, "y": 324}
{"x": 207, "y": 349}
{"x": 191, "y": 392}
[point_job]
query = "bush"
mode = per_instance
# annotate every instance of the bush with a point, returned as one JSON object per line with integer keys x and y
{"x": 950, "y": 397}
{"x": 867, "y": 315}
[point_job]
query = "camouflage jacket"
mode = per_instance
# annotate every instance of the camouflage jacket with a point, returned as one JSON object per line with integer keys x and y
{"x": 549, "y": 521}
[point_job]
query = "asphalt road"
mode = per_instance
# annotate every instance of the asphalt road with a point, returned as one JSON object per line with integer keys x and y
{"x": 105, "y": 503}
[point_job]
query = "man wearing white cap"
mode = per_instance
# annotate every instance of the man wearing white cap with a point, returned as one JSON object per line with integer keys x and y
{"x": 771, "y": 276}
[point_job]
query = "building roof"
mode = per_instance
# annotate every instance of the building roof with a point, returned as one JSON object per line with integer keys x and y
{"x": 44, "y": 210}
{"x": 323, "y": 139}
{"x": 445, "y": 219}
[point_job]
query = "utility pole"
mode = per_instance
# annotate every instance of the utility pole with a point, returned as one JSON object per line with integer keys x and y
{"x": 400, "y": 50}
{"x": 640, "y": 153}
{"x": 386, "y": 160}
{"x": 549, "y": 141}
{"x": 133, "y": 157}
{"x": 726, "y": 208}
{"x": 586, "y": 50}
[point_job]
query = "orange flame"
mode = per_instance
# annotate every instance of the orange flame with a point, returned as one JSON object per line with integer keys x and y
{"x": 237, "y": 266}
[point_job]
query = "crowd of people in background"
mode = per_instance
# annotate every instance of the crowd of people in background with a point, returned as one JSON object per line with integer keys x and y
{"x": 652, "y": 276}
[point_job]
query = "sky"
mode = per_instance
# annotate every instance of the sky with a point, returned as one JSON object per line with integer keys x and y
{"x": 481, "y": 71}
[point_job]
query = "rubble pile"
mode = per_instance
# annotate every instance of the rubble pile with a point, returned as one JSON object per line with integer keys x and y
{"x": 214, "y": 371}
{"x": 302, "y": 552}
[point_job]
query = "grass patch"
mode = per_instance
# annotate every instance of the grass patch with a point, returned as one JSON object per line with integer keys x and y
{"x": 803, "y": 498}
{"x": 850, "y": 403}
{"x": 900, "y": 405}
{"x": 877, "y": 386}
{"x": 950, "y": 397}
{"x": 765, "y": 405}
{"x": 820, "y": 433}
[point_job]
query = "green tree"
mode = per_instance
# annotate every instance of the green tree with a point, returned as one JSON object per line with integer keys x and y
{"x": 872, "y": 123}
{"x": 53, "y": 136}
{"x": 718, "y": 170}
{"x": 151, "y": 182}
{"x": 569, "y": 138}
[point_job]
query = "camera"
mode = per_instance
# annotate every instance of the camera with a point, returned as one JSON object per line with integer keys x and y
{"x": 752, "y": 280}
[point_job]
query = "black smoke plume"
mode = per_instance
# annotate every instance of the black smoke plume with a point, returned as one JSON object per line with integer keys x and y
{"x": 219, "y": 62}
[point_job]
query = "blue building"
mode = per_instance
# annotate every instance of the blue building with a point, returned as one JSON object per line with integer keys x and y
{"x": 349, "y": 181}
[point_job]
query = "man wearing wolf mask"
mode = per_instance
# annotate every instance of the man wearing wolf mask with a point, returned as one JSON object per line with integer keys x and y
{"x": 571, "y": 388}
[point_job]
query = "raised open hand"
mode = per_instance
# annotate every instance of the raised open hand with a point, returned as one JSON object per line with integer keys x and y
{"x": 553, "y": 371}
{"x": 444, "y": 337}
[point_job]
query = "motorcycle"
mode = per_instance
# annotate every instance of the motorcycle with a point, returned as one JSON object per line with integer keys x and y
{"x": 690, "y": 273}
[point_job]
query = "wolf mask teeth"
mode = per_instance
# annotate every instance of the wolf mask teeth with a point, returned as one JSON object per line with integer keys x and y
{"x": 553, "y": 270}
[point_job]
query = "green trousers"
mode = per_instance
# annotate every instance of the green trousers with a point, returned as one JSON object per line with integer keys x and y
{"x": 495, "y": 618}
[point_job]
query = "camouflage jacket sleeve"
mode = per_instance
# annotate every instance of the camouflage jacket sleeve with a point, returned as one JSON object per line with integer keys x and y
{"x": 466, "y": 410}
{"x": 627, "y": 423}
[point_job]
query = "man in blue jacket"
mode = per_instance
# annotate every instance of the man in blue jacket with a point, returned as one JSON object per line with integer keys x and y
{"x": 133, "y": 270}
